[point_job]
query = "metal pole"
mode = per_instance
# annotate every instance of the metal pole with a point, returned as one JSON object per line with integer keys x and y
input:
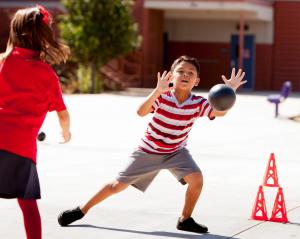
{"x": 241, "y": 40}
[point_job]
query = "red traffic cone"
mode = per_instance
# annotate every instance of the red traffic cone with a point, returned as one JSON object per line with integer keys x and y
{"x": 279, "y": 211}
{"x": 259, "y": 206}
{"x": 271, "y": 173}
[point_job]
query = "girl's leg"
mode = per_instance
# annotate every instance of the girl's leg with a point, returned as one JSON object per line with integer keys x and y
{"x": 32, "y": 219}
{"x": 108, "y": 190}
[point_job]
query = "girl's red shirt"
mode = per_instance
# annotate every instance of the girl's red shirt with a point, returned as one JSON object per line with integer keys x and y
{"x": 29, "y": 88}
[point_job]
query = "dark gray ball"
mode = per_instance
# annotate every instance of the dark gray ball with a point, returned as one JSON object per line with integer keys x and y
{"x": 41, "y": 136}
{"x": 221, "y": 97}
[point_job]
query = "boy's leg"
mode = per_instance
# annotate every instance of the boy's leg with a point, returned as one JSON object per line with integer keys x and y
{"x": 32, "y": 219}
{"x": 185, "y": 169}
{"x": 139, "y": 173}
{"x": 186, "y": 222}
{"x": 108, "y": 190}
{"x": 193, "y": 191}
{"x": 182, "y": 165}
{"x": 69, "y": 216}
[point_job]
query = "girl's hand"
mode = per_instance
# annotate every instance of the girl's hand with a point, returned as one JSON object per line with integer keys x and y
{"x": 163, "y": 82}
{"x": 236, "y": 80}
{"x": 66, "y": 136}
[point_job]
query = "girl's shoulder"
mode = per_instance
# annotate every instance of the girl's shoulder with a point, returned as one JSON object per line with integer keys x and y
{"x": 44, "y": 65}
{"x": 45, "y": 69}
{"x": 41, "y": 64}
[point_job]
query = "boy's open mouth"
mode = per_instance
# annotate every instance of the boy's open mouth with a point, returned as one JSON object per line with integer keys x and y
{"x": 184, "y": 81}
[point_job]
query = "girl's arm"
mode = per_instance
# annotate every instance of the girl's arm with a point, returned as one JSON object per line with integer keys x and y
{"x": 64, "y": 121}
{"x": 162, "y": 87}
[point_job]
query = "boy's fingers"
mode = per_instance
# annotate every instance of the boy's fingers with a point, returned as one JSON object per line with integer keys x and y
{"x": 164, "y": 75}
{"x": 243, "y": 82}
{"x": 242, "y": 76}
{"x": 224, "y": 78}
{"x": 232, "y": 73}
{"x": 239, "y": 73}
{"x": 161, "y": 77}
{"x": 168, "y": 76}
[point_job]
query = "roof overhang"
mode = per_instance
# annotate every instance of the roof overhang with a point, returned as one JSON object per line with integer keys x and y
{"x": 210, "y": 9}
{"x": 23, "y": 4}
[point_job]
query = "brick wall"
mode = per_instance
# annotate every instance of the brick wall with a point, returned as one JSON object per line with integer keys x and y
{"x": 286, "y": 57}
{"x": 263, "y": 67}
{"x": 214, "y": 59}
{"x": 4, "y": 29}
{"x": 152, "y": 48}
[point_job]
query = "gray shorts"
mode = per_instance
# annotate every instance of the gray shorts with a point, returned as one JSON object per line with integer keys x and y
{"x": 144, "y": 167}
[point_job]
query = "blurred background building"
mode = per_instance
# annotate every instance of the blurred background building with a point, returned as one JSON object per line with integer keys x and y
{"x": 262, "y": 36}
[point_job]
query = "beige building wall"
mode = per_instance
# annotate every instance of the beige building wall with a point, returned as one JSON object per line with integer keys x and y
{"x": 193, "y": 30}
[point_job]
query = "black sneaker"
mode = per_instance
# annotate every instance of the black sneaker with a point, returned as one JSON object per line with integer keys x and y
{"x": 191, "y": 226}
{"x": 69, "y": 216}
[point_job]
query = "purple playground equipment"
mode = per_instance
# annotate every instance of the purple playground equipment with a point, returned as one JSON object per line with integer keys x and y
{"x": 279, "y": 98}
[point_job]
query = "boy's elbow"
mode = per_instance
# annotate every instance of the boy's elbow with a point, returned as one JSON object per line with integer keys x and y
{"x": 140, "y": 113}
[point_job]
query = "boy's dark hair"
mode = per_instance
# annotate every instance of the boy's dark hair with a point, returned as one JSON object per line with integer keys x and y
{"x": 188, "y": 59}
{"x": 29, "y": 30}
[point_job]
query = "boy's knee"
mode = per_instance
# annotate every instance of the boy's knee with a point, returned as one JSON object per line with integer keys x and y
{"x": 194, "y": 180}
{"x": 116, "y": 186}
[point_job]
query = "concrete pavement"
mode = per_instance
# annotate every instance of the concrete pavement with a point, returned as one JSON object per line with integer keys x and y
{"x": 232, "y": 152}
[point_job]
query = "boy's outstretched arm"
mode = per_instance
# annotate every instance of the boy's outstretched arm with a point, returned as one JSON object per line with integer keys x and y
{"x": 162, "y": 87}
{"x": 235, "y": 81}
{"x": 64, "y": 121}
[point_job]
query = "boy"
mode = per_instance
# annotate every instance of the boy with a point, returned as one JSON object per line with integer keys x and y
{"x": 175, "y": 109}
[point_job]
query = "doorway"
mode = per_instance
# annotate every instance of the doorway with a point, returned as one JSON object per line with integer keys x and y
{"x": 249, "y": 58}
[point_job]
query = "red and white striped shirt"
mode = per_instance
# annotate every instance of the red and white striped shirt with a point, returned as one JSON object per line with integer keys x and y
{"x": 168, "y": 130}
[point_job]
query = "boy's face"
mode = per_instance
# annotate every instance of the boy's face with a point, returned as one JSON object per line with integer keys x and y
{"x": 185, "y": 76}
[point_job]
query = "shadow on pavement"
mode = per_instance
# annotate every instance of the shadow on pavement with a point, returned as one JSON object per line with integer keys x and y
{"x": 293, "y": 223}
{"x": 158, "y": 233}
{"x": 295, "y": 118}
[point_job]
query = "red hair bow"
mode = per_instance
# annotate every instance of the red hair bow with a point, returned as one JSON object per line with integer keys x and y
{"x": 45, "y": 13}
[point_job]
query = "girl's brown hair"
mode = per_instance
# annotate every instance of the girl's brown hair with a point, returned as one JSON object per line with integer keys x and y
{"x": 28, "y": 29}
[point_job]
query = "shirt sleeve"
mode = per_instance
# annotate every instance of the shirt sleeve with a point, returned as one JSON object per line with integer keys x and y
{"x": 156, "y": 104}
{"x": 205, "y": 109}
{"x": 56, "y": 98}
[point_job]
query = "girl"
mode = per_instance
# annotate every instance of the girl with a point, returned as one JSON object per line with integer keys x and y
{"x": 29, "y": 88}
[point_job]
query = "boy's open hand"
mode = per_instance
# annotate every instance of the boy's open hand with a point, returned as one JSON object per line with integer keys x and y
{"x": 163, "y": 82}
{"x": 236, "y": 80}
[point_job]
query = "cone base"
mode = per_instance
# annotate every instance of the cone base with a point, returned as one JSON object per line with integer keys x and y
{"x": 282, "y": 220}
{"x": 260, "y": 218}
